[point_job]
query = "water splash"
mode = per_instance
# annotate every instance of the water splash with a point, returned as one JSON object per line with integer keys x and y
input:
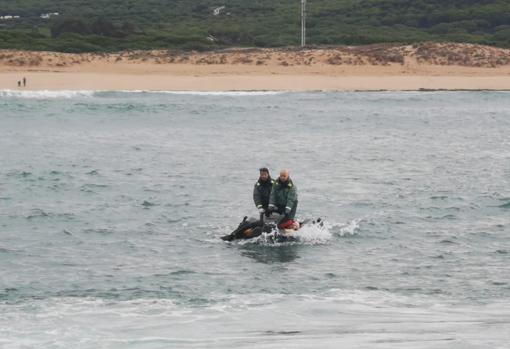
{"x": 347, "y": 229}
{"x": 314, "y": 234}
{"x": 311, "y": 234}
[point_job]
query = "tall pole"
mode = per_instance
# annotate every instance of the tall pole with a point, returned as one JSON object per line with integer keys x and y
{"x": 303, "y": 23}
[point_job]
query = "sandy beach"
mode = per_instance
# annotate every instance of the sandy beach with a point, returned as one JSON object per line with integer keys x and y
{"x": 374, "y": 67}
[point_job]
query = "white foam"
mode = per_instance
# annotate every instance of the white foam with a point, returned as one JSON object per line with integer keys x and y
{"x": 345, "y": 229}
{"x": 44, "y": 94}
{"x": 222, "y": 93}
{"x": 357, "y": 318}
{"x": 314, "y": 234}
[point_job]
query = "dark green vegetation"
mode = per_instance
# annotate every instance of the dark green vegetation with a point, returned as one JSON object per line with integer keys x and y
{"x": 112, "y": 25}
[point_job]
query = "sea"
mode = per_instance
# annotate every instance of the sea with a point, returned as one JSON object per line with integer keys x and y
{"x": 113, "y": 204}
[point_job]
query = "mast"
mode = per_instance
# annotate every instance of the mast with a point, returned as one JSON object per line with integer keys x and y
{"x": 303, "y": 23}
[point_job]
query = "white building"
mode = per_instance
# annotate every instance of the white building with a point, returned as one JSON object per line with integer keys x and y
{"x": 49, "y": 15}
{"x": 218, "y": 10}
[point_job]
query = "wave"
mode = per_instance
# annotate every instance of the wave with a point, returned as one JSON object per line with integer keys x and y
{"x": 50, "y": 94}
{"x": 367, "y": 95}
{"x": 45, "y": 94}
{"x": 222, "y": 93}
{"x": 506, "y": 205}
{"x": 355, "y": 318}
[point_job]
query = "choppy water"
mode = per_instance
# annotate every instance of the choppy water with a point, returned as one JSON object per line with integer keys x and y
{"x": 112, "y": 205}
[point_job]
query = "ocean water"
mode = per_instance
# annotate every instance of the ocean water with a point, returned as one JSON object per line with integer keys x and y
{"x": 112, "y": 205}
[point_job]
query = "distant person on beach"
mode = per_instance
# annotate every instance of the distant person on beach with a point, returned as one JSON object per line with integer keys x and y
{"x": 284, "y": 198}
{"x": 262, "y": 190}
{"x": 19, "y": 83}
{"x": 24, "y": 82}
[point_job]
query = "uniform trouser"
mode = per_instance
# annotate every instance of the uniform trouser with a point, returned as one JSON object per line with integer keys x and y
{"x": 292, "y": 214}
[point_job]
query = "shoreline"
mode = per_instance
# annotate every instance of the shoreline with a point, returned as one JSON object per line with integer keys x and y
{"x": 61, "y": 81}
{"x": 424, "y": 90}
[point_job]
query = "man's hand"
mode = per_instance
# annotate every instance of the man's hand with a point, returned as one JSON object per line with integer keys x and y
{"x": 261, "y": 210}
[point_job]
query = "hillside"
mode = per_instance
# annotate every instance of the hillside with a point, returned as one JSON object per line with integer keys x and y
{"x": 114, "y": 25}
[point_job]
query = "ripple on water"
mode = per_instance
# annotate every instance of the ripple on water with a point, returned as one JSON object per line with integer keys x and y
{"x": 8, "y": 293}
{"x": 439, "y": 197}
{"x": 22, "y": 174}
{"x": 148, "y": 204}
{"x": 182, "y": 272}
{"x": 37, "y": 213}
{"x": 92, "y": 187}
{"x": 448, "y": 241}
{"x": 4, "y": 250}
{"x": 505, "y": 205}
{"x": 99, "y": 231}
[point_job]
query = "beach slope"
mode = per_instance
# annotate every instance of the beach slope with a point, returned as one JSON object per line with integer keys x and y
{"x": 429, "y": 66}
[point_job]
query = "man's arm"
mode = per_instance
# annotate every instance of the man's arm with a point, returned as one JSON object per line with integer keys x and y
{"x": 272, "y": 197}
{"x": 291, "y": 198}
{"x": 256, "y": 196}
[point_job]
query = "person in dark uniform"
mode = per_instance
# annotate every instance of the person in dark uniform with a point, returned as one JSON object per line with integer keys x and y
{"x": 262, "y": 190}
{"x": 284, "y": 198}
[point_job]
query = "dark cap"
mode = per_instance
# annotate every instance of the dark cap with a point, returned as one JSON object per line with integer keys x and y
{"x": 263, "y": 169}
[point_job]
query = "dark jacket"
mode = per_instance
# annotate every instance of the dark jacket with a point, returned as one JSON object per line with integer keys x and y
{"x": 284, "y": 195}
{"x": 262, "y": 192}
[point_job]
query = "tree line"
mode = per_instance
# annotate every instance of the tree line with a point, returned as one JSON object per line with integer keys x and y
{"x": 112, "y": 25}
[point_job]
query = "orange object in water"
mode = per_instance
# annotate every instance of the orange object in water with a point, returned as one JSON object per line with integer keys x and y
{"x": 248, "y": 232}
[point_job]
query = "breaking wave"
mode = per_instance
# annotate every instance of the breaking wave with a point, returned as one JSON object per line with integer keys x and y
{"x": 45, "y": 94}
{"x": 221, "y": 93}
{"x": 50, "y": 94}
